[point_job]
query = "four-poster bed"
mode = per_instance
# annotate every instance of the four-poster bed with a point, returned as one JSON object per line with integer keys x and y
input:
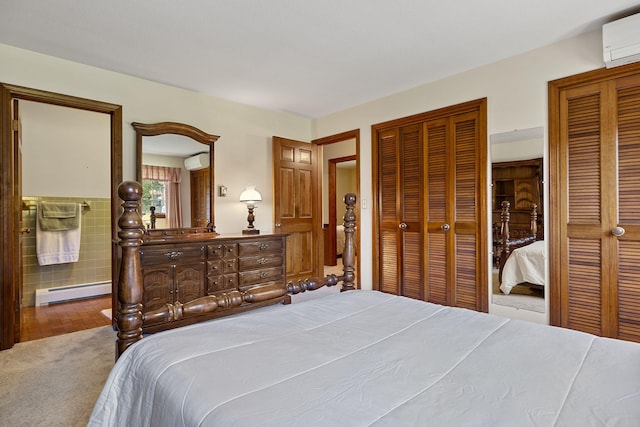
{"x": 131, "y": 315}
{"x": 357, "y": 358}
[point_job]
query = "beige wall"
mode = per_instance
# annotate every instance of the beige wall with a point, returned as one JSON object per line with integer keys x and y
{"x": 60, "y": 159}
{"x": 345, "y": 183}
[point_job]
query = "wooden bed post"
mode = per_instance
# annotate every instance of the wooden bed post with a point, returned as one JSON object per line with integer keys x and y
{"x": 534, "y": 221}
{"x": 348, "y": 276}
{"x": 129, "y": 316}
{"x": 505, "y": 249}
{"x": 349, "y": 252}
{"x": 505, "y": 216}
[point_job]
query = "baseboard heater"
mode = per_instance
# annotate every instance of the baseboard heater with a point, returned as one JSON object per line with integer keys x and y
{"x": 72, "y": 292}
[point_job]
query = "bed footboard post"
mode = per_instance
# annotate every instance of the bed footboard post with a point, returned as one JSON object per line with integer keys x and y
{"x": 534, "y": 221}
{"x": 129, "y": 316}
{"x": 349, "y": 253}
{"x": 505, "y": 217}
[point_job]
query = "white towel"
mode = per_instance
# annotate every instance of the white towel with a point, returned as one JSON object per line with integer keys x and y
{"x": 57, "y": 247}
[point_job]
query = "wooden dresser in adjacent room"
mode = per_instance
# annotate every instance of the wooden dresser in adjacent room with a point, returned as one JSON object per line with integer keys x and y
{"x": 181, "y": 269}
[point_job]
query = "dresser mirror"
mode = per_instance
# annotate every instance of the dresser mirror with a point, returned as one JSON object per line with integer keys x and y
{"x": 519, "y": 272}
{"x": 175, "y": 168}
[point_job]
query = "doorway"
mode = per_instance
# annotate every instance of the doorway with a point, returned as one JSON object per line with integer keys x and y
{"x": 11, "y": 197}
{"x": 79, "y": 178}
{"x": 340, "y": 175}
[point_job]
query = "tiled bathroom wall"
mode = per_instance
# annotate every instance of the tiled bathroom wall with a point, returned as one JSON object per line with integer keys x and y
{"x": 94, "y": 263}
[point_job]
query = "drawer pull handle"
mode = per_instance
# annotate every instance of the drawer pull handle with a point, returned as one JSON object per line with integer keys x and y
{"x": 263, "y": 246}
{"x": 173, "y": 255}
{"x": 263, "y": 261}
{"x": 263, "y": 274}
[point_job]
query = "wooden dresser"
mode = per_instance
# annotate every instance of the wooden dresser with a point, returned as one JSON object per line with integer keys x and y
{"x": 176, "y": 270}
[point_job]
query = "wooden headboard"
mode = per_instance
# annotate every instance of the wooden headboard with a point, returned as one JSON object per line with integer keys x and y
{"x": 129, "y": 317}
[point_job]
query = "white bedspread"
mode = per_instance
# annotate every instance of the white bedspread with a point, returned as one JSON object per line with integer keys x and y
{"x": 366, "y": 358}
{"x": 525, "y": 264}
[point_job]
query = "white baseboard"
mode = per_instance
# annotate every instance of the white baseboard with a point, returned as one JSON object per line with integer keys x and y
{"x": 73, "y": 292}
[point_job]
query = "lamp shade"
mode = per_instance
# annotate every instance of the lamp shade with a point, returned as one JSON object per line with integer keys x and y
{"x": 250, "y": 195}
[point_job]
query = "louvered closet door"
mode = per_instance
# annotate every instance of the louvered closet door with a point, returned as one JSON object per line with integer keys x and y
{"x": 453, "y": 211}
{"x": 599, "y": 234}
{"x": 400, "y": 211}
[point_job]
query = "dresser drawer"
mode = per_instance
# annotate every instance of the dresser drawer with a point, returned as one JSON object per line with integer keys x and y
{"x": 248, "y": 278}
{"x": 171, "y": 255}
{"x": 223, "y": 250}
{"x": 223, "y": 282}
{"x": 222, "y": 266}
{"x": 260, "y": 247}
{"x": 260, "y": 263}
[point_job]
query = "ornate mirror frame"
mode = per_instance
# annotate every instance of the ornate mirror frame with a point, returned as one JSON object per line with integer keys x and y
{"x": 173, "y": 128}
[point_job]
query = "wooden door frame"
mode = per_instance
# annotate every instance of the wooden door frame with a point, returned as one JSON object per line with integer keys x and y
{"x": 332, "y": 139}
{"x": 330, "y": 243}
{"x": 10, "y": 207}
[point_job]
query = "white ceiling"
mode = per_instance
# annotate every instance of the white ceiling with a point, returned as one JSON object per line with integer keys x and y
{"x": 311, "y": 58}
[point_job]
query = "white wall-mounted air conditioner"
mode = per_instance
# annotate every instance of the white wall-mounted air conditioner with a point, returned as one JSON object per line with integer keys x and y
{"x": 621, "y": 41}
{"x": 199, "y": 161}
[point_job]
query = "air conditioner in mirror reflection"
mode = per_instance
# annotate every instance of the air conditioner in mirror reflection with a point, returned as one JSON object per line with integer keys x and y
{"x": 199, "y": 161}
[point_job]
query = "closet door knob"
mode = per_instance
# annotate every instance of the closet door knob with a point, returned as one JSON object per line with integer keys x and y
{"x": 403, "y": 226}
{"x": 278, "y": 225}
{"x": 445, "y": 227}
{"x": 617, "y": 231}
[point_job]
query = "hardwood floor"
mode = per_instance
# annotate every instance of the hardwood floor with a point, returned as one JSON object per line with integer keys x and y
{"x": 62, "y": 318}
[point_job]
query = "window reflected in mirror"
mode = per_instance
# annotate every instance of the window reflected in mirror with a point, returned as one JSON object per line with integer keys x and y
{"x": 153, "y": 202}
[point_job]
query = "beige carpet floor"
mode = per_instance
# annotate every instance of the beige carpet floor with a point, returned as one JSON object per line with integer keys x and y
{"x": 55, "y": 381}
{"x": 522, "y": 297}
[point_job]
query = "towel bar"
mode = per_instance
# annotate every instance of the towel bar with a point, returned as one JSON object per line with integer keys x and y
{"x": 32, "y": 204}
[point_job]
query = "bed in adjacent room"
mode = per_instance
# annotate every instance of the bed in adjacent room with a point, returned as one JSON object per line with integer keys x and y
{"x": 370, "y": 358}
{"x": 521, "y": 259}
{"x": 525, "y": 265}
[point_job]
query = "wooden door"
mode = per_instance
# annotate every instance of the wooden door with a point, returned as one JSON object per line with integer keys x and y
{"x": 430, "y": 213}
{"x": 400, "y": 211}
{"x": 295, "y": 203}
{"x": 200, "y": 197}
{"x": 595, "y": 181}
{"x": 455, "y": 155}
